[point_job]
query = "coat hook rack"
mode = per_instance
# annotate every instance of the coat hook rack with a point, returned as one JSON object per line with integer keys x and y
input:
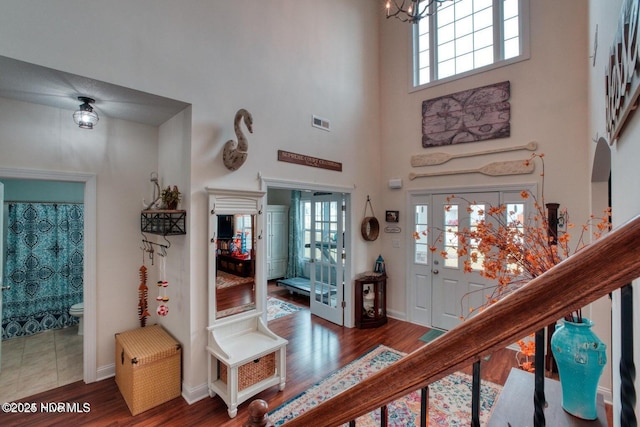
{"x": 148, "y": 247}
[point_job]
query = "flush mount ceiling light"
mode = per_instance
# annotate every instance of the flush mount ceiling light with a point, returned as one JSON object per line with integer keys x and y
{"x": 85, "y": 117}
{"x": 411, "y": 10}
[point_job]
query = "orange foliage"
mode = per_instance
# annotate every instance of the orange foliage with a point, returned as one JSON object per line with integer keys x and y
{"x": 513, "y": 250}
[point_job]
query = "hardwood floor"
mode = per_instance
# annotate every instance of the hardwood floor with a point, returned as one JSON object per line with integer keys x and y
{"x": 316, "y": 348}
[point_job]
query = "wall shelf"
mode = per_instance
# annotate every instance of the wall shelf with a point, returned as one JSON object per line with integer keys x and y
{"x": 164, "y": 222}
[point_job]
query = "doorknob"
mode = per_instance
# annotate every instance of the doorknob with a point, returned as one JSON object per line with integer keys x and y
{"x": 5, "y": 288}
{"x": 435, "y": 271}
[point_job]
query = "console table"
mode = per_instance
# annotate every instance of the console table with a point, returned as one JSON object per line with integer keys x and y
{"x": 233, "y": 265}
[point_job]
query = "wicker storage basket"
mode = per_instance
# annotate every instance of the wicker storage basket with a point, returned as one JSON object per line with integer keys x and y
{"x": 253, "y": 372}
{"x": 147, "y": 367}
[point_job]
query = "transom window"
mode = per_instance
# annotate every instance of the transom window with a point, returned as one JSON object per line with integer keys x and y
{"x": 468, "y": 35}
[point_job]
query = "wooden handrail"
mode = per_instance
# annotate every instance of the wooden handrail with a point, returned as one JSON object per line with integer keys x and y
{"x": 606, "y": 265}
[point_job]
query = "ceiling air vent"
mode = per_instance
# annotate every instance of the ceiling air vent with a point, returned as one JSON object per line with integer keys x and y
{"x": 321, "y": 123}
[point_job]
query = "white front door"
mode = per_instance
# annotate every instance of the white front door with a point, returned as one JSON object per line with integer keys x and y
{"x": 454, "y": 291}
{"x": 440, "y": 293}
{"x": 326, "y": 260}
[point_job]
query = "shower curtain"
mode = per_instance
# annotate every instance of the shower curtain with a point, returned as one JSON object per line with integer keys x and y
{"x": 44, "y": 267}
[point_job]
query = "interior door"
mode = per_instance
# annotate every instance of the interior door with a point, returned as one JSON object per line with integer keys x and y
{"x": 326, "y": 257}
{"x": 455, "y": 291}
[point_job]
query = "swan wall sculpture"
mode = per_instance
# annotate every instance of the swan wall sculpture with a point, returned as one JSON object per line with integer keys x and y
{"x": 235, "y": 153}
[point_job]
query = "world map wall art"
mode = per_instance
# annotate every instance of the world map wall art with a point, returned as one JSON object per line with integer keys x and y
{"x": 468, "y": 116}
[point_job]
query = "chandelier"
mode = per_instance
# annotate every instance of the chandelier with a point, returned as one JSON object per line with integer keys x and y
{"x": 411, "y": 10}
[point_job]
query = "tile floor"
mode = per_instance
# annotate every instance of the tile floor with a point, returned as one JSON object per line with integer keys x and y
{"x": 40, "y": 362}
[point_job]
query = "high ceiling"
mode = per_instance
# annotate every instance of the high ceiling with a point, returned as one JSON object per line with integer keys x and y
{"x": 40, "y": 85}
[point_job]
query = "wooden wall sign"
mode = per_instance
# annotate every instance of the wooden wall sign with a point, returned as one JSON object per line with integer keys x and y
{"x": 471, "y": 115}
{"x": 622, "y": 81}
{"x": 301, "y": 159}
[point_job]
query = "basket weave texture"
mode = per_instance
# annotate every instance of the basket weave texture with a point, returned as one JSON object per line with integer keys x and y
{"x": 147, "y": 367}
{"x": 252, "y": 372}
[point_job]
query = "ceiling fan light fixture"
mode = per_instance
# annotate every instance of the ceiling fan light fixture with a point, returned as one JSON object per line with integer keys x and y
{"x": 85, "y": 117}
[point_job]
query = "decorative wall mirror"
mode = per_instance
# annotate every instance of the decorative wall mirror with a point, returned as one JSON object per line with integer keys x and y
{"x": 234, "y": 256}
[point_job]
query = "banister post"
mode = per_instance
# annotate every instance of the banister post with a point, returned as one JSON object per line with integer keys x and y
{"x": 258, "y": 410}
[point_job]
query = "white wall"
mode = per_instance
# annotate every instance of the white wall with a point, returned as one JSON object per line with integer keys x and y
{"x": 121, "y": 154}
{"x": 282, "y": 60}
{"x": 625, "y": 176}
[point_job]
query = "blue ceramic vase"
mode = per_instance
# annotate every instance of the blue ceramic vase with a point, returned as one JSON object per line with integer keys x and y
{"x": 580, "y": 356}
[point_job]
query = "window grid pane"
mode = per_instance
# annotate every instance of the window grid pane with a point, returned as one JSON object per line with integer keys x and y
{"x": 477, "y": 215}
{"x": 461, "y": 20}
{"x": 515, "y": 219}
{"x": 455, "y": 22}
{"x": 451, "y": 223}
{"x": 421, "y": 246}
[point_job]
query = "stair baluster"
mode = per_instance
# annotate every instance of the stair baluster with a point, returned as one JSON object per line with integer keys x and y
{"x": 424, "y": 406}
{"x": 539, "y": 400}
{"x": 475, "y": 395}
{"x": 627, "y": 367}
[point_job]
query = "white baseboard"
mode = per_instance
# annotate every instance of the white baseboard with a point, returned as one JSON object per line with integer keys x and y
{"x": 606, "y": 394}
{"x": 397, "y": 315}
{"x": 194, "y": 394}
{"x": 105, "y": 372}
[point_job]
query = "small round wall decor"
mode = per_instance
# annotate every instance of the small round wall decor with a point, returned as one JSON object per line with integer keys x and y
{"x": 370, "y": 227}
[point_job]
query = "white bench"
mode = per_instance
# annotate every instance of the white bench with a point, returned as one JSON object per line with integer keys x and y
{"x": 235, "y": 343}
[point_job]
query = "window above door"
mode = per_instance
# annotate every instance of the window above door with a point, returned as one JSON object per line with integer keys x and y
{"x": 465, "y": 37}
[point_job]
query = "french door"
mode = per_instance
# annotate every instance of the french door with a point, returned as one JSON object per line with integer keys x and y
{"x": 440, "y": 291}
{"x": 326, "y": 260}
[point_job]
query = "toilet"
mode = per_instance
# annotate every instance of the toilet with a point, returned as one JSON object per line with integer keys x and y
{"x": 77, "y": 310}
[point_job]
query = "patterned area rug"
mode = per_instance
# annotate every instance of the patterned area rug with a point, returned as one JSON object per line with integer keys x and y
{"x": 277, "y": 308}
{"x": 449, "y": 398}
{"x": 226, "y": 280}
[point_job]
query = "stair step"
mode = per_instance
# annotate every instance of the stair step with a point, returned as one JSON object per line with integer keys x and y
{"x": 515, "y": 404}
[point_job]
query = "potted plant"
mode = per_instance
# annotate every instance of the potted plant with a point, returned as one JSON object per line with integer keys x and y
{"x": 512, "y": 250}
{"x": 171, "y": 197}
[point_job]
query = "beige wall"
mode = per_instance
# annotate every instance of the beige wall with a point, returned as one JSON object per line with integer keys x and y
{"x": 548, "y": 105}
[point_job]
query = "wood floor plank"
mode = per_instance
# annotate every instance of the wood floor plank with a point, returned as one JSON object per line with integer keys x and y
{"x": 316, "y": 348}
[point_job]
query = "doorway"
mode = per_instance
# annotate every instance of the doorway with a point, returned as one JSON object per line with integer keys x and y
{"x": 318, "y": 264}
{"x": 89, "y": 358}
{"x": 440, "y": 293}
{"x": 42, "y": 341}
